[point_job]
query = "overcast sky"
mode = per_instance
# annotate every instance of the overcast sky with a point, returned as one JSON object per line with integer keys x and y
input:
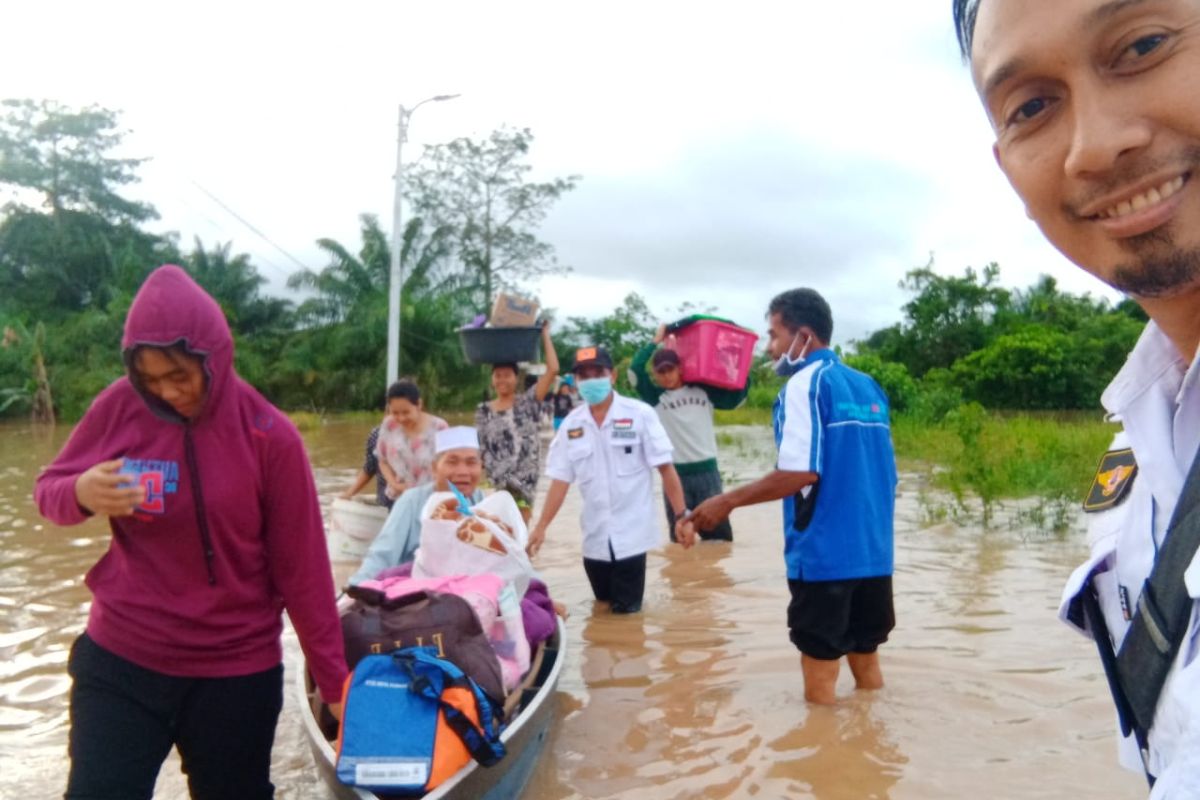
{"x": 728, "y": 151}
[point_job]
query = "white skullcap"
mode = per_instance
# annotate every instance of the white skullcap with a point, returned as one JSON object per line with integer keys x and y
{"x": 454, "y": 438}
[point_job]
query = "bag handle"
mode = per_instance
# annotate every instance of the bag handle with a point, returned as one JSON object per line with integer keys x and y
{"x": 430, "y": 677}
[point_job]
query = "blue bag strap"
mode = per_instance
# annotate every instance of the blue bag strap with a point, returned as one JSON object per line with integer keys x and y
{"x": 430, "y": 677}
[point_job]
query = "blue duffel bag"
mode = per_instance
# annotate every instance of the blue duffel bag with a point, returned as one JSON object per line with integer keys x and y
{"x": 411, "y": 720}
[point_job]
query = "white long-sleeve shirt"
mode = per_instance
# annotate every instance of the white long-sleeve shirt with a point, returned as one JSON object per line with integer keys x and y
{"x": 1156, "y": 397}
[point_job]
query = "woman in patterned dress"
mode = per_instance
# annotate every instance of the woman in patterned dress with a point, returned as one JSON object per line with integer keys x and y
{"x": 508, "y": 428}
{"x": 405, "y": 448}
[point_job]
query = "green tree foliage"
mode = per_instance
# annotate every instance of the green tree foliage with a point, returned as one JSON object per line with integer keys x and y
{"x": 966, "y": 337}
{"x": 891, "y": 376}
{"x": 622, "y": 332}
{"x": 235, "y": 283}
{"x": 351, "y": 285}
{"x": 55, "y": 266}
{"x": 73, "y": 254}
{"x": 949, "y": 317}
{"x": 80, "y": 246}
{"x": 260, "y": 324}
{"x": 64, "y": 155}
{"x": 80, "y": 355}
{"x": 338, "y": 357}
{"x": 937, "y": 395}
{"x": 16, "y": 379}
{"x": 481, "y": 193}
{"x": 1036, "y": 368}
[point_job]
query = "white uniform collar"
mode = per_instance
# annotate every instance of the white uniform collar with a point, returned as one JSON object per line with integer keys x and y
{"x": 1151, "y": 358}
{"x": 618, "y": 400}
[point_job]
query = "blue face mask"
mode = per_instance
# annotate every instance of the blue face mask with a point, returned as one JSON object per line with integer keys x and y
{"x": 595, "y": 391}
{"x": 785, "y": 365}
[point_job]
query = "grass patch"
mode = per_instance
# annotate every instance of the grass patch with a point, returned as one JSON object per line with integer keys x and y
{"x": 306, "y": 420}
{"x": 743, "y": 415}
{"x": 1050, "y": 455}
{"x": 311, "y": 420}
{"x": 995, "y": 455}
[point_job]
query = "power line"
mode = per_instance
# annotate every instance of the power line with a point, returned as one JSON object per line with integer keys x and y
{"x": 253, "y": 229}
{"x": 224, "y": 232}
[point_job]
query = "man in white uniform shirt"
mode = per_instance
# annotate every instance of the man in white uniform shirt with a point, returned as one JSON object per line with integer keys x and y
{"x": 610, "y": 447}
{"x": 1096, "y": 115}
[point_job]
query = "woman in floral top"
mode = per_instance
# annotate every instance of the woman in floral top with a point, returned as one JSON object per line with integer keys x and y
{"x": 406, "y": 439}
{"x": 508, "y": 429}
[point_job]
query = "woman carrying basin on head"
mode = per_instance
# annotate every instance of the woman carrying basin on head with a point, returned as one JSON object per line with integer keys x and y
{"x": 508, "y": 427}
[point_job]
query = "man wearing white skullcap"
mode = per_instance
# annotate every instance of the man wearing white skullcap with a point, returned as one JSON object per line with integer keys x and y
{"x": 456, "y": 438}
{"x": 456, "y": 461}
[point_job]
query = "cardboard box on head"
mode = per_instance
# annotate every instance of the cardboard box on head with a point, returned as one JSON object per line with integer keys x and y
{"x": 513, "y": 311}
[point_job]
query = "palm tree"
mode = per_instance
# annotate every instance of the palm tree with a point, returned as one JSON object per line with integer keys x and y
{"x": 346, "y": 318}
{"x": 234, "y": 283}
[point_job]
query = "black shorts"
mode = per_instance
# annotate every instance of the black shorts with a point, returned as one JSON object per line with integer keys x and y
{"x": 828, "y": 619}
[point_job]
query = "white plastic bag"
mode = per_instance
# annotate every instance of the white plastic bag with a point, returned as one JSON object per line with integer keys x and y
{"x": 491, "y": 539}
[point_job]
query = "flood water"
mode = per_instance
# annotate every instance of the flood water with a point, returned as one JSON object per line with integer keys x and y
{"x": 698, "y": 697}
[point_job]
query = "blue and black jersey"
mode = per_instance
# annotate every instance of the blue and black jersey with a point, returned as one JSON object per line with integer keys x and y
{"x": 833, "y": 420}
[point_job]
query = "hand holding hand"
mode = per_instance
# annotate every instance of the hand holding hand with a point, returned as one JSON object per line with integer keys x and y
{"x": 710, "y": 513}
{"x": 104, "y": 490}
{"x": 685, "y": 532}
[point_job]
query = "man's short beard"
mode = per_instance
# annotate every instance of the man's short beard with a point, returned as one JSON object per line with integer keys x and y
{"x": 1159, "y": 275}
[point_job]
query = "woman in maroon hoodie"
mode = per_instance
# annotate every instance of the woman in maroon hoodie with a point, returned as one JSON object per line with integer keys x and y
{"x": 216, "y": 529}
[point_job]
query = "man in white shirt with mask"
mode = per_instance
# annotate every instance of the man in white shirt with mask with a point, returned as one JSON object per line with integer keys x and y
{"x": 610, "y": 447}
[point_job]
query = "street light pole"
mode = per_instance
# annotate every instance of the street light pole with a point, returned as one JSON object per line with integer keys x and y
{"x": 396, "y": 276}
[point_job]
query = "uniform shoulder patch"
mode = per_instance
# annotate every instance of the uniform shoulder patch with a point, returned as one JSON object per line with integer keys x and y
{"x": 1113, "y": 478}
{"x": 574, "y": 433}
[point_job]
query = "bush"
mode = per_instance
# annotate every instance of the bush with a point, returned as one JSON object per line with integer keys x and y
{"x": 936, "y": 396}
{"x": 1035, "y": 368}
{"x": 892, "y": 377}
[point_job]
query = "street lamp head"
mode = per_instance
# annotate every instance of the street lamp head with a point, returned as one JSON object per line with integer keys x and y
{"x": 441, "y": 97}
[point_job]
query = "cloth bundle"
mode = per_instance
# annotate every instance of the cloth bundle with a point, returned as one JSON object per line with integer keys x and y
{"x": 487, "y": 538}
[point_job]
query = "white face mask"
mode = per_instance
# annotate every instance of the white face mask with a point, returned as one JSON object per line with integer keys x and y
{"x": 785, "y": 365}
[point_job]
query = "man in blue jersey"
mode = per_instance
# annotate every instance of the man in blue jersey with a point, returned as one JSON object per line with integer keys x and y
{"x": 836, "y": 475}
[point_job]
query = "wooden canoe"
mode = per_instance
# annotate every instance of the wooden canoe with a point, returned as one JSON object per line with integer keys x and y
{"x": 531, "y": 712}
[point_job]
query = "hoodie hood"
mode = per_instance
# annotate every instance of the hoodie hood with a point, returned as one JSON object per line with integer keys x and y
{"x": 171, "y": 309}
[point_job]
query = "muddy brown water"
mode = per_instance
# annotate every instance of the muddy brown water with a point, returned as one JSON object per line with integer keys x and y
{"x": 699, "y": 696}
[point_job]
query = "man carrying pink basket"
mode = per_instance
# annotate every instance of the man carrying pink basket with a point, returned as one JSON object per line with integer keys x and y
{"x": 685, "y": 396}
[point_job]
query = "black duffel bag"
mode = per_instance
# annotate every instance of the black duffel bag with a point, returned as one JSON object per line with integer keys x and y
{"x": 424, "y": 619}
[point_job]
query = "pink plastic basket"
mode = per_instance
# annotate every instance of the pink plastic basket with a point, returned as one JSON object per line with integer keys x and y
{"x": 715, "y": 353}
